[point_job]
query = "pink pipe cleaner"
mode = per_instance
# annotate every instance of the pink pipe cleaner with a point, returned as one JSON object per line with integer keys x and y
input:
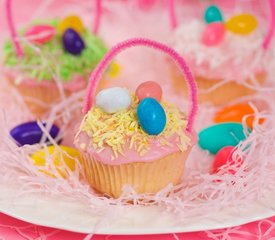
{"x": 98, "y": 12}
{"x": 172, "y": 13}
{"x": 16, "y": 44}
{"x": 270, "y": 32}
{"x": 101, "y": 67}
{"x": 146, "y": 4}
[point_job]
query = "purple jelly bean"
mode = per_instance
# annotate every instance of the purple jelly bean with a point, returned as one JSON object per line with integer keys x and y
{"x": 72, "y": 42}
{"x": 30, "y": 133}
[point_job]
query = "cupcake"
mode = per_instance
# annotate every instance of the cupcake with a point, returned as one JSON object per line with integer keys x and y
{"x": 56, "y": 58}
{"x": 226, "y": 55}
{"x": 134, "y": 139}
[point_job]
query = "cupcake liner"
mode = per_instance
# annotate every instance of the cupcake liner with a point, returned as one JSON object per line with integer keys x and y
{"x": 38, "y": 98}
{"x": 209, "y": 91}
{"x": 143, "y": 177}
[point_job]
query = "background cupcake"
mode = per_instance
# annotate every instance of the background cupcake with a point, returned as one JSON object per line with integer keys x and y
{"x": 225, "y": 50}
{"x": 51, "y": 60}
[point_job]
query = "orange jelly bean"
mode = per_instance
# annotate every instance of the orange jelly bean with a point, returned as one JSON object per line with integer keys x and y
{"x": 235, "y": 113}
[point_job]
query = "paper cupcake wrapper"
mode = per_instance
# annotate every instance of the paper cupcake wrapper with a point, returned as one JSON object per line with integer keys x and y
{"x": 38, "y": 98}
{"x": 218, "y": 96}
{"x": 148, "y": 177}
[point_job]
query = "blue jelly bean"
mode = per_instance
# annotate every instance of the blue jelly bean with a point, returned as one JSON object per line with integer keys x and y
{"x": 72, "y": 42}
{"x": 151, "y": 116}
{"x": 30, "y": 133}
{"x": 213, "y": 14}
{"x": 217, "y": 136}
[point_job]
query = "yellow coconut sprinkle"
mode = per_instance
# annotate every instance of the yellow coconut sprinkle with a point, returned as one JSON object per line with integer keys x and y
{"x": 121, "y": 130}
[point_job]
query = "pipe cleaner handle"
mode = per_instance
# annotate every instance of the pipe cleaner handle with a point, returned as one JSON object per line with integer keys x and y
{"x": 101, "y": 67}
{"x": 270, "y": 33}
{"x": 98, "y": 13}
{"x": 16, "y": 44}
{"x": 172, "y": 14}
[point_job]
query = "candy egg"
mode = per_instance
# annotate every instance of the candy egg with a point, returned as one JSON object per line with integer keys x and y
{"x": 149, "y": 89}
{"x": 213, "y": 14}
{"x": 72, "y": 42}
{"x": 114, "y": 70}
{"x": 236, "y": 113}
{"x": 40, "y": 33}
{"x": 30, "y": 133}
{"x": 61, "y": 157}
{"x": 73, "y": 22}
{"x": 223, "y": 157}
{"x": 217, "y": 136}
{"x": 151, "y": 116}
{"x": 213, "y": 34}
{"x": 242, "y": 24}
{"x": 113, "y": 99}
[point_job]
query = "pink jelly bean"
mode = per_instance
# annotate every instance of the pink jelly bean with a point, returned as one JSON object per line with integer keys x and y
{"x": 223, "y": 157}
{"x": 149, "y": 89}
{"x": 40, "y": 33}
{"x": 213, "y": 34}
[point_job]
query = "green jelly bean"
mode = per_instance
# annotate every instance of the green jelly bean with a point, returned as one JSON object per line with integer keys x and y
{"x": 213, "y": 14}
{"x": 217, "y": 136}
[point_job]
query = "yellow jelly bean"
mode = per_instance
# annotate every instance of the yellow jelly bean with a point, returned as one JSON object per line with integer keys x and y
{"x": 114, "y": 70}
{"x": 63, "y": 158}
{"x": 242, "y": 24}
{"x": 73, "y": 22}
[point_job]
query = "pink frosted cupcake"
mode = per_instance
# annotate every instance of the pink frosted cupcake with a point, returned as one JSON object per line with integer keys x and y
{"x": 138, "y": 139}
{"x": 227, "y": 53}
{"x": 50, "y": 60}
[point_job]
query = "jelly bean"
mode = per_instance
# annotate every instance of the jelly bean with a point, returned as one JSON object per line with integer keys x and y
{"x": 242, "y": 24}
{"x": 213, "y": 14}
{"x": 30, "y": 133}
{"x": 72, "y": 42}
{"x": 224, "y": 157}
{"x": 149, "y": 89}
{"x": 113, "y": 99}
{"x": 114, "y": 70}
{"x": 213, "y": 34}
{"x": 217, "y": 136}
{"x": 151, "y": 116}
{"x": 73, "y": 22}
{"x": 61, "y": 157}
{"x": 40, "y": 33}
{"x": 236, "y": 113}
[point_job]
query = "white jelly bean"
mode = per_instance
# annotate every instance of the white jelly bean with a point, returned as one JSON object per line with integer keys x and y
{"x": 113, "y": 99}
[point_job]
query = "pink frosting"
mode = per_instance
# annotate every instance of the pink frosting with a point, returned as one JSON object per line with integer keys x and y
{"x": 236, "y": 58}
{"x": 227, "y": 71}
{"x": 77, "y": 83}
{"x": 156, "y": 150}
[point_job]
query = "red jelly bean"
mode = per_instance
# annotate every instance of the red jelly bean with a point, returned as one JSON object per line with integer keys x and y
{"x": 223, "y": 157}
{"x": 213, "y": 34}
{"x": 40, "y": 34}
{"x": 149, "y": 89}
